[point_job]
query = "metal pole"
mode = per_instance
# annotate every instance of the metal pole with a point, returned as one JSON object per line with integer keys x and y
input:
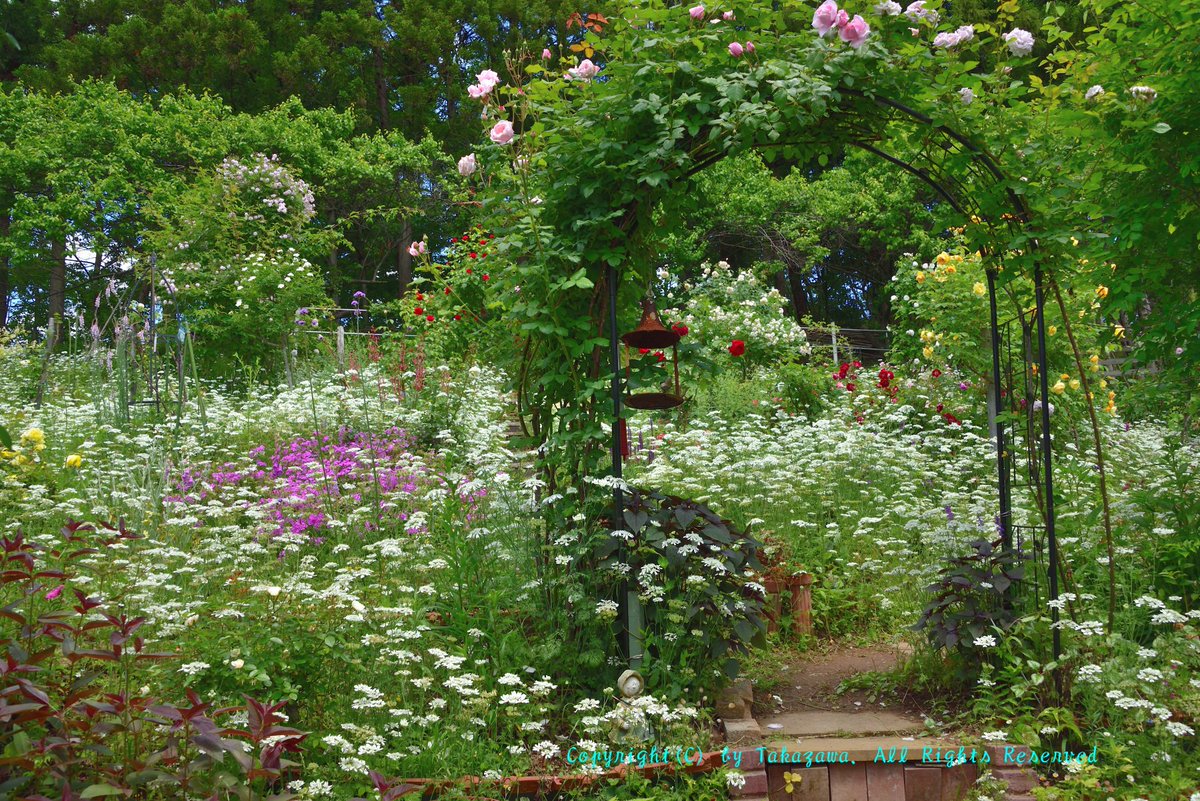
{"x": 614, "y": 354}
{"x": 998, "y": 401}
{"x": 1047, "y": 460}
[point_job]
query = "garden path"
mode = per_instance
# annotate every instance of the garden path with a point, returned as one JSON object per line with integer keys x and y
{"x": 802, "y": 700}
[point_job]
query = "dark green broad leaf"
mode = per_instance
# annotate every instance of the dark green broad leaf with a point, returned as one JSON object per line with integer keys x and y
{"x": 685, "y": 514}
{"x": 732, "y": 668}
{"x": 5, "y": 439}
{"x": 636, "y": 520}
{"x": 718, "y": 532}
{"x": 745, "y": 630}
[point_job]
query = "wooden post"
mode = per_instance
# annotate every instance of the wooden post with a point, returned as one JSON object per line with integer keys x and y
{"x": 833, "y": 334}
{"x": 801, "y": 587}
{"x": 341, "y": 347}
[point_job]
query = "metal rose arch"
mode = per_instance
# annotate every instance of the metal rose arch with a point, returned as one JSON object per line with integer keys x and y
{"x": 583, "y": 153}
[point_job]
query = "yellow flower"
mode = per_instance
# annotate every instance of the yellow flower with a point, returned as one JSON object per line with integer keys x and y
{"x": 1064, "y": 376}
{"x": 7, "y": 454}
{"x": 979, "y": 289}
{"x": 1058, "y": 388}
{"x": 34, "y": 436}
{"x": 1103, "y": 383}
{"x": 74, "y": 461}
{"x": 1074, "y": 242}
{"x": 1074, "y": 383}
{"x": 951, "y": 269}
{"x": 1094, "y": 358}
{"x": 1102, "y": 291}
{"x": 943, "y": 258}
{"x": 790, "y": 780}
{"x": 1052, "y": 330}
{"x": 1119, "y": 331}
{"x": 1034, "y": 366}
{"x": 927, "y": 352}
{"x": 920, "y": 277}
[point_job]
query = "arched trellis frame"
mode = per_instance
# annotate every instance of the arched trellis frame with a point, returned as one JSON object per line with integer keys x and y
{"x": 942, "y": 147}
{"x": 603, "y": 148}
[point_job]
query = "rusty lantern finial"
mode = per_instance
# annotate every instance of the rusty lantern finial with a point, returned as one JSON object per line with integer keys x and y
{"x": 651, "y": 334}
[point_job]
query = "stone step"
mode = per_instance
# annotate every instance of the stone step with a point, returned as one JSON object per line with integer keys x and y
{"x": 815, "y": 723}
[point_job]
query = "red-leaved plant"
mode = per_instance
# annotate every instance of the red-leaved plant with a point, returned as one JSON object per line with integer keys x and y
{"x": 71, "y": 726}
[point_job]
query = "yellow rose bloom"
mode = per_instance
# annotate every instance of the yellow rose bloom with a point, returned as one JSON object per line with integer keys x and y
{"x": 951, "y": 269}
{"x": 1052, "y": 330}
{"x": 1058, "y": 388}
{"x": 942, "y": 258}
{"x": 1102, "y": 291}
{"x": 34, "y": 436}
{"x": 928, "y": 352}
{"x": 920, "y": 277}
{"x": 1119, "y": 331}
{"x": 979, "y": 289}
{"x": 1074, "y": 384}
{"x": 1094, "y": 358}
{"x": 74, "y": 461}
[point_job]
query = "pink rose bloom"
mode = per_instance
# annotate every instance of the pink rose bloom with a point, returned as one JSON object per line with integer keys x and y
{"x": 584, "y": 72}
{"x": 488, "y": 80}
{"x": 476, "y": 91}
{"x": 466, "y": 165}
{"x": 842, "y": 19}
{"x": 417, "y": 248}
{"x": 825, "y": 17}
{"x": 1020, "y": 42}
{"x": 749, "y": 47}
{"x": 855, "y": 32}
{"x": 502, "y": 132}
{"x": 727, "y": 16}
{"x": 697, "y": 12}
{"x": 546, "y": 54}
{"x": 735, "y": 50}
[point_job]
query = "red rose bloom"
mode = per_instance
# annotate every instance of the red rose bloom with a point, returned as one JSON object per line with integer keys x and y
{"x": 658, "y": 354}
{"x": 468, "y": 271}
{"x": 418, "y": 311}
{"x": 429, "y": 317}
{"x": 643, "y": 351}
{"x": 485, "y": 276}
{"x": 850, "y": 387}
{"x": 473, "y": 255}
{"x": 458, "y": 317}
{"x": 737, "y": 347}
{"x": 680, "y": 330}
{"x": 937, "y": 373}
{"x": 420, "y": 296}
{"x": 447, "y": 290}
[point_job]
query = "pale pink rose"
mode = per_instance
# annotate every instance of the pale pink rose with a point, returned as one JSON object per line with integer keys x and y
{"x": 749, "y": 47}
{"x": 697, "y": 12}
{"x": 502, "y": 132}
{"x": 735, "y": 50}
{"x": 842, "y": 19}
{"x": 584, "y": 72}
{"x": 825, "y": 17}
{"x": 476, "y": 91}
{"x": 855, "y": 32}
{"x": 488, "y": 79}
{"x": 466, "y": 165}
{"x": 728, "y": 16}
{"x": 546, "y": 54}
{"x": 417, "y": 248}
{"x": 1020, "y": 42}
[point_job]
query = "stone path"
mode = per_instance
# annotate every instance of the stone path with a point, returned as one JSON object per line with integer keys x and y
{"x": 799, "y": 712}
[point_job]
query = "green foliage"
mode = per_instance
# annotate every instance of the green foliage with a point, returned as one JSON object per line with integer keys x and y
{"x": 692, "y": 570}
{"x": 969, "y": 601}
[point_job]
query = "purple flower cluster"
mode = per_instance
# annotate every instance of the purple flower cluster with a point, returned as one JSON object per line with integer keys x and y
{"x": 307, "y": 481}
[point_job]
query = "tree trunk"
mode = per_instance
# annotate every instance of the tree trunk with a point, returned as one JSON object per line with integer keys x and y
{"x": 404, "y": 258}
{"x": 799, "y": 296}
{"x": 58, "y": 285}
{"x": 5, "y": 223}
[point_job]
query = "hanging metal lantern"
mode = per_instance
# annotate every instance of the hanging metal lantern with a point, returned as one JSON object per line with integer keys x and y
{"x": 651, "y": 334}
